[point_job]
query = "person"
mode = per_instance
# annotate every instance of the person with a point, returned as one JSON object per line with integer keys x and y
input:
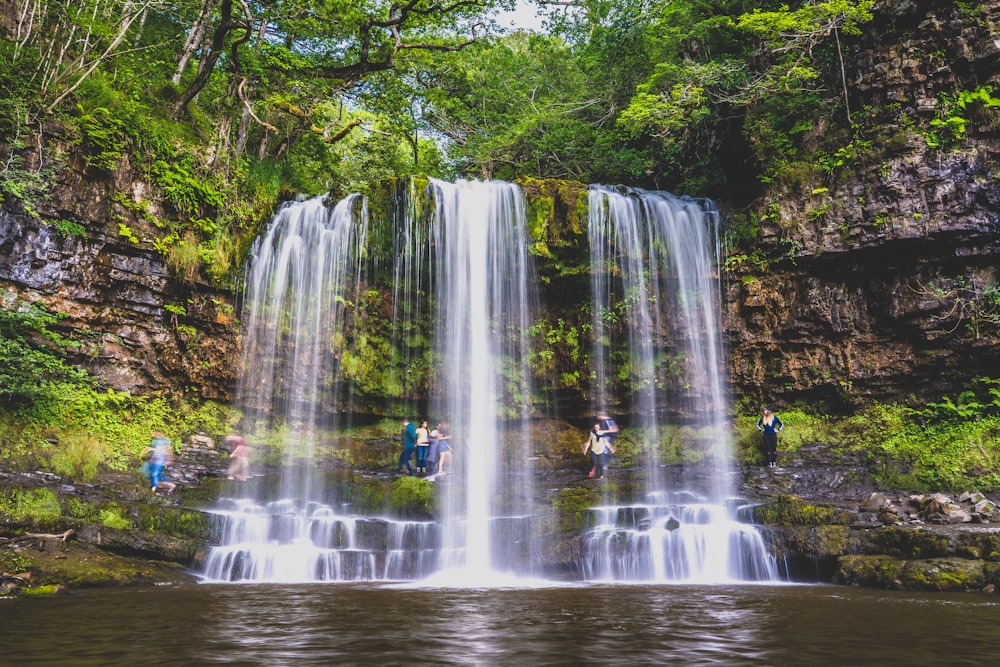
{"x": 444, "y": 448}
{"x": 409, "y": 444}
{"x": 608, "y": 429}
{"x": 239, "y": 466}
{"x": 770, "y": 426}
{"x": 600, "y": 448}
{"x": 432, "y": 453}
{"x": 161, "y": 454}
{"x": 423, "y": 446}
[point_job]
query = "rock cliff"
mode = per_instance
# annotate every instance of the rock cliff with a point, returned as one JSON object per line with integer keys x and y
{"x": 874, "y": 278}
{"x": 139, "y": 327}
{"x": 870, "y": 279}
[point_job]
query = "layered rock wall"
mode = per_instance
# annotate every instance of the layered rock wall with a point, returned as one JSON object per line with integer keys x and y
{"x": 139, "y": 327}
{"x": 877, "y": 280}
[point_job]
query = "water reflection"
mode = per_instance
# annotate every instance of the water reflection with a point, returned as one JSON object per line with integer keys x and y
{"x": 352, "y": 624}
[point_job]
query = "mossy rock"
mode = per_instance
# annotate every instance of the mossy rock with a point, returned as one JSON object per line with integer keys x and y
{"x": 901, "y": 542}
{"x": 170, "y": 520}
{"x": 789, "y": 510}
{"x": 938, "y": 574}
{"x": 44, "y": 591}
{"x": 979, "y": 545}
{"x": 412, "y": 498}
{"x": 814, "y": 541}
{"x": 572, "y": 506}
{"x": 78, "y": 564}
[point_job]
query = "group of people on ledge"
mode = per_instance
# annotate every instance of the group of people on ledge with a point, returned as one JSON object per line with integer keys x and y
{"x": 432, "y": 448}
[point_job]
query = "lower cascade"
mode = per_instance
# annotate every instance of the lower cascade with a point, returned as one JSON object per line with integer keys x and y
{"x": 467, "y": 270}
{"x": 679, "y": 538}
{"x": 279, "y": 542}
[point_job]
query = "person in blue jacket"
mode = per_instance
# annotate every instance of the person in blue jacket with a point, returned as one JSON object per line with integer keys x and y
{"x": 770, "y": 426}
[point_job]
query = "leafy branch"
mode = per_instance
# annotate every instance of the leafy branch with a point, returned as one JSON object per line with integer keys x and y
{"x": 970, "y": 301}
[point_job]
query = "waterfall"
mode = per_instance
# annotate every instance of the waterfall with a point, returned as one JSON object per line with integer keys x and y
{"x": 655, "y": 283}
{"x": 304, "y": 270}
{"x": 454, "y": 261}
{"x": 483, "y": 285}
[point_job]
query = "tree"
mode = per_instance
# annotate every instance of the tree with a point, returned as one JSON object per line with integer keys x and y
{"x": 341, "y": 41}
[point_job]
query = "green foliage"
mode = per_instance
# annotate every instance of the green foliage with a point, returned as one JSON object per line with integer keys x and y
{"x": 412, "y": 497}
{"x": 68, "y": 228}
{"x": 948, "y": 446}
{"x": 37, "y": 508}
{"x": 32, "y": 365}
{"x": 104, "y": 139}
{"x": 128, "y": 233}
{"x": 76, "y": 430}
{"x": 112, "y": 517}
{"x": 949, "y": 126}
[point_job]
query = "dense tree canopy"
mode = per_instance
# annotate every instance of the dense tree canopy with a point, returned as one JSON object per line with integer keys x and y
{"x": 227, "y": 103}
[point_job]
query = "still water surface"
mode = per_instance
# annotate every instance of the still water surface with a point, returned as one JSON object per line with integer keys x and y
{"x": 348, "y": 624}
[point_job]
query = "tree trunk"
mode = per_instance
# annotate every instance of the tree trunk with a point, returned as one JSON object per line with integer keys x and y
{"x": 207, "y": 63}
{"x": 194, "y": 38}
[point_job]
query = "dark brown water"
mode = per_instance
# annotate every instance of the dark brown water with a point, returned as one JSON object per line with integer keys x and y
{"x": 337, "y": 624}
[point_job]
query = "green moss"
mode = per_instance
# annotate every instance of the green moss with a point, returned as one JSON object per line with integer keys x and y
{"x": 541, "y": 211}
{"x": 980, "y": 545}
{"x": 789, "y": 510}
{"x": 113, "y": 517}
{"x": 938, "y": 574}
{"x": 814, "y": 541}
{"x": 901, "y": 542}
{"x": 572, "y": 506}
{"x": 36, "y": 508}
{"x": 175, "y": 521}
{"x": 412, "y": 497}
{"x": 48, "y": 589}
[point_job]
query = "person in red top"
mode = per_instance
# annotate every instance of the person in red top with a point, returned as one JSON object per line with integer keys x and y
{"x": 239, "y": 467}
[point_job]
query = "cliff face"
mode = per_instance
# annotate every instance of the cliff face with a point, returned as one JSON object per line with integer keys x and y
{"x": 871, "y": 280}
{"x": 877, "y": 280}
{"x": 139, "y": 328}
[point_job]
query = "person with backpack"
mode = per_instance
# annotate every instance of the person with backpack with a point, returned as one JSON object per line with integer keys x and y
{"x": 599, "y": 445}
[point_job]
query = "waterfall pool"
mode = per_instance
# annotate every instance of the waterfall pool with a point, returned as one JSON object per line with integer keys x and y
{"x": 605, "y": 624}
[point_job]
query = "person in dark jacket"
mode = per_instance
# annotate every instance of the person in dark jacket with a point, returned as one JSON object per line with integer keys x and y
{"x": 409, "y": 445}
{"x": 770, "y": 426}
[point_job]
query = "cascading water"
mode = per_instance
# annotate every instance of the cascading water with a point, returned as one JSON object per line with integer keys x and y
{"x": 483, "y": 285}
{"x": 305, "y": 269}
{"x": 472, "y": 257}
{"x": 654, "y": 278}
{"x": 463, "y": 265}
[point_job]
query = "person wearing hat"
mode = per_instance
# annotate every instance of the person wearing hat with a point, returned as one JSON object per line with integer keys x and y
{"x": 770, "y": 426}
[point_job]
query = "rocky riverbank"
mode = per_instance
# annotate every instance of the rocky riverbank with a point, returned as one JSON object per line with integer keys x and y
{"x": 824, "y": 521}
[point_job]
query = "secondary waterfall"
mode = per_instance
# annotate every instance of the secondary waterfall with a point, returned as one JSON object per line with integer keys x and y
{"x": 655, "y": 261}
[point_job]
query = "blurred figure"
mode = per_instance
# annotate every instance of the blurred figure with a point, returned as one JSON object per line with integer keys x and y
{"x": 599, "y": 445}
{"x": 239, "y": 466}
{"x": 443, "y": 448}
{"x": 161, "y": 454}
